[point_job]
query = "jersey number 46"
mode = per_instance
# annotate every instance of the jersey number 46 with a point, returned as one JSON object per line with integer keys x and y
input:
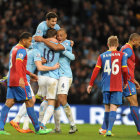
{"x": 114, "y": 69}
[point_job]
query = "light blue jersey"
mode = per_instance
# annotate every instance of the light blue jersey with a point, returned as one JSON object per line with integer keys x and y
{"x": 43, "y": 27}
{"x": 33, "y": 55}
{"x": 65, "y": 59}
{"x": 52, "y": 58}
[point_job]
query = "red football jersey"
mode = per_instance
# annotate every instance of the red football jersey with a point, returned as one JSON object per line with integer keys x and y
{"x": 16, "y": 71}
{"x": 128, "y": 50}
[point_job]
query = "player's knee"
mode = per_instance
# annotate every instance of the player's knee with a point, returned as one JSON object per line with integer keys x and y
{"x": 9, "y": 103}
{"x": 29, "y": 103}
{"x": 62, "y": 99}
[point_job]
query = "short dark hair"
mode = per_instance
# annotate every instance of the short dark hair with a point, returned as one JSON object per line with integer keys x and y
{"x": 51, "y": 33}
{"x": 134, "y": 36}
{"x": 51, "y": 15}
{"x": 25, "y": 35}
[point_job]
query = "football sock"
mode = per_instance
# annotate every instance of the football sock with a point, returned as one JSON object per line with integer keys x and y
{"x": 57, "y": 114}
{"x": 105, "y": 121}
{"x": 3, "y": 117}
{"x": 42, "y": 109}
{"x": 112, "y": 118}
{"x": 21, "y": 113}
{"x": 33, "y": 117}
{"x": 68, "y": 113}
{"x": 135, "y": 116}
{"x": 26, "y": 122}
{"x": 48, "y": 114}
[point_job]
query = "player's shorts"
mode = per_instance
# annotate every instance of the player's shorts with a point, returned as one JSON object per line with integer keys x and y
{"x": 32, "y": 93}
{"x": 114, "y": 97}
{"x": 19, "y": 93}
{"x": 47, "y": 87}
{"x": 64, "y": 84}
{"x": 130, "y": 90}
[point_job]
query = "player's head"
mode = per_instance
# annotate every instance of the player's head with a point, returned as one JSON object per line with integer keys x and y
{"x": 61, "y": 35}
{"x": 113, "y": 42}
{"x": 51, "y": 19}
{"x": 134, "y": 39}
{"x": 51, "y": 33}
{"x": 25, "y": 39}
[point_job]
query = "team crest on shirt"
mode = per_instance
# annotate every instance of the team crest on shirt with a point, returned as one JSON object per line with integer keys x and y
{"x": 20, "y": 55}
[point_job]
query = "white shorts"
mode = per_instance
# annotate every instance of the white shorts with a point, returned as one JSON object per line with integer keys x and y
{"x": 32, "y": 93}
{"x": 64, "y": 85}
{"x": 47, "y": 87}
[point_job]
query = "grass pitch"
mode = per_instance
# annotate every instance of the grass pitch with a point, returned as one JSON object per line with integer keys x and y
{"x": 85, "y": 132}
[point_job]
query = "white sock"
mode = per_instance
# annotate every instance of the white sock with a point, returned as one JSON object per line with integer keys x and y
{"x": 68, "y": 113}
{"x": 22, "y": 111}
{"x": 48, "y": 114}
{"x": 26, "y": 122}
{"x": 57, "y": 114}
{"x": 42, "y": 109}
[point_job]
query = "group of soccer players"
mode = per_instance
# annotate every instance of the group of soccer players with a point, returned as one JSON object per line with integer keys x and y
{"x": 52, "y": 56}
{"x": 54, "y": 77}
{"x": 115, "y": 65}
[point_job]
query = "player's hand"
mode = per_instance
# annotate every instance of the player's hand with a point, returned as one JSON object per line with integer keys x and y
{"x": 56, "y": 66}
{"x": 125, "y": 86}
{"x": 71, "y": 43}
{"x": 34, "y": 77}
{"x": 38, "y": 38}
{"x": 43, "y": 60}
{"x": 21, "y": 83}
{"x": 89, "y": 88}
{"x": 137, "y": 84}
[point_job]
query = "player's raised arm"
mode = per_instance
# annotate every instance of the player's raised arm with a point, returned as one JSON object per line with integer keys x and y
{"x": 94, "y": 74}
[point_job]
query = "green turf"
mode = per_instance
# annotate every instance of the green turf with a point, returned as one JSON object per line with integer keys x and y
{"x": 85, "y": 132}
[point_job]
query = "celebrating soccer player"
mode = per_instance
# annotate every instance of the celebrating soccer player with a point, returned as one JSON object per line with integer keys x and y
{"x": 114, "y": 66}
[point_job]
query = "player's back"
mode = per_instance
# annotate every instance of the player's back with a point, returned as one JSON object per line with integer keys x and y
{"x": 17, "y": 52}
{"x": 52, "y": 58}
{"x": 112, "y": 62}
{"x": 65, "y": 69}
{"x": 128, "y": 50}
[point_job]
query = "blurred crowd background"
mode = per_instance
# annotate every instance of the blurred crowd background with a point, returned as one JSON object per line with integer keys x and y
{"x": 88, "y": 23}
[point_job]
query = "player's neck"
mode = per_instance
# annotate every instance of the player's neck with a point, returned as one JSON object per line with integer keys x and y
{"x": 113, "y": 48}
{"x": 130, "y": 43}
{"x": 20, "y": 43}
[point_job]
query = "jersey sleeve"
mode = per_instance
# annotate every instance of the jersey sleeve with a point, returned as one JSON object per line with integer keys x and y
{"x": 39, "y": 30}
{"x": 69, "y": 55}
{"x": 128, "y": 52}
{"x": 37, "y": 55}
{"x": 21, "y": 53}
{"x": 99, "y": 62}
{"x": 124, "y": 60}
{"x": 57, "y": 27}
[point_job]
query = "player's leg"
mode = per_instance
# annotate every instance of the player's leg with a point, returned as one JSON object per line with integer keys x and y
{"x": 104, "y": 127}
{"x": 131, "y": 96}
{"x": 57, "y": 114}
{"x": 9, "y": 103}
{"x": 63, "y": 88}
{"x": 31, "y": 113}
{"x": 51, "y": 89}
{"x": 115, "y": 102}
{"x": 106, "y": 102}
{"x": 42, "y": 110}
